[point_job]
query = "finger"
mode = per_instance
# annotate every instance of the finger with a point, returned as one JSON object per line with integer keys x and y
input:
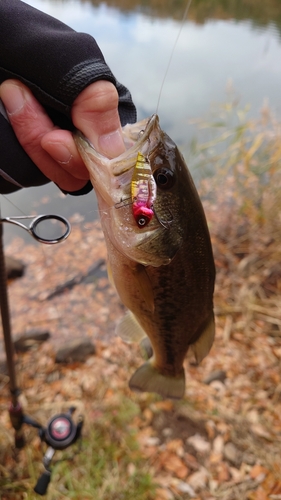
{"x": 95, "y": 113}
{"x": 30, "y": 123}
{"x": 61, "y": 147}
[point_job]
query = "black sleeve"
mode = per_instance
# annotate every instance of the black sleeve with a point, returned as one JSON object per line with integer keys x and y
{"x": 56, "y": 63}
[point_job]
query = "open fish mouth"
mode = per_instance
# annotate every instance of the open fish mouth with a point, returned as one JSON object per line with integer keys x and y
{"x": 137, "y": 134}
{"x": 137, "y": 137}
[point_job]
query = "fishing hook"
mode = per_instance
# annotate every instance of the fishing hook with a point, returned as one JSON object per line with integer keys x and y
{"x": 165, "y": 223}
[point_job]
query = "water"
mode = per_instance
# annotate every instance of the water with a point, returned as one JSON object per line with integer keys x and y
{"x": 239, "y": 43}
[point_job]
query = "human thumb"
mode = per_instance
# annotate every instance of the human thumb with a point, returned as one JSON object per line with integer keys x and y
{"x": 95, "y": 114}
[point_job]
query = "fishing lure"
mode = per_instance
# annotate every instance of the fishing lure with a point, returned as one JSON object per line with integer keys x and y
{"x": 143, "y": 191}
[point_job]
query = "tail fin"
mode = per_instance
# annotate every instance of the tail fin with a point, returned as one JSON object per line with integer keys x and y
{"x": 149, "y": 379}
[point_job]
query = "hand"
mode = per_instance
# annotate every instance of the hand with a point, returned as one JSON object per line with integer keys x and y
{"x": 53, "y": 150}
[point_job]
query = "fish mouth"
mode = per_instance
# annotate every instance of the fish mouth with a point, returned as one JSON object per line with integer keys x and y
{"x": 138, "y": 138}
{"x": 134, "y": 136}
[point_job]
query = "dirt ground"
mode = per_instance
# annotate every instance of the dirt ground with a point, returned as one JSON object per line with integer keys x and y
{"x": 224, "y": 439}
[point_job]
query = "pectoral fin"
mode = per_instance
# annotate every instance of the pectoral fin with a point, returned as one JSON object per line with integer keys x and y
{"x": 203, "y": 345}
{"x": 129, "y": 329}
{"x": 109, "y": 274}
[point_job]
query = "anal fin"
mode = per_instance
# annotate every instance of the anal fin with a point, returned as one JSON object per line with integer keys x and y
{"x": 203, "y": 345}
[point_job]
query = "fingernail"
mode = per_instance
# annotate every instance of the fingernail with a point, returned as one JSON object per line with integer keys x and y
{"x": 13, "y": 98}
{"x": 59, "y": 152}
{"x": 112, "y": 145}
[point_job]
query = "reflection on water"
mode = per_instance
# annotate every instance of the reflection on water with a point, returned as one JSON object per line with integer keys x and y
{"x": 221, "y": 41}
{"x": 259, "y": 13}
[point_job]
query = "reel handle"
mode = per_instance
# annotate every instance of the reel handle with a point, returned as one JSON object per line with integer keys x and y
{"x": 43, "y": 483}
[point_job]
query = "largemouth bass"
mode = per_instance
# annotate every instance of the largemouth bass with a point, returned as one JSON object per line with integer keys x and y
{"x": 159, "y": 252}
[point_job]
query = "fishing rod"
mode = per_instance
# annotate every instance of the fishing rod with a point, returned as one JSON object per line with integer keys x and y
{"x": 61, "y": 431}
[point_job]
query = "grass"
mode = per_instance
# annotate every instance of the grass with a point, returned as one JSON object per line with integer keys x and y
{"x": 245, "y": 155}
{"x": 105, "y": 465}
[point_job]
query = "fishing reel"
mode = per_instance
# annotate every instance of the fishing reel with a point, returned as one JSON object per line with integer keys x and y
{"x": 60, "y": 433}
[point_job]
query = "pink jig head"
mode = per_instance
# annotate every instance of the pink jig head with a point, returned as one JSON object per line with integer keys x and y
{"x": 143, "y": 191}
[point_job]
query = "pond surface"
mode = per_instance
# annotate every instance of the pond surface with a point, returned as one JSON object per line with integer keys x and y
{"x": 220, "y": 43}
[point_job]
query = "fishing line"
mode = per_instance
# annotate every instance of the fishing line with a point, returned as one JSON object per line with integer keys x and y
{"x": 172, "y": 52}
{"x": 14, "y": 205}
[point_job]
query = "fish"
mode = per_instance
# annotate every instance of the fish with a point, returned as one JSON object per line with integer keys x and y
{"x": 162, "y": 267}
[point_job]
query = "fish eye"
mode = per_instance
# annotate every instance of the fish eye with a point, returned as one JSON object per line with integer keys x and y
{"x": 164, "y": 178}
{"x": 142, "y": 221}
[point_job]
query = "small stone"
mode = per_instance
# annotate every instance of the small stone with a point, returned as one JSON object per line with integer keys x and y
{"x": 14, "y": 268}
{"x": 183, "y": 487}
{"x": 215, "y": 375}
{"x": 231, "y": 453}
{"x": 152, "y": 441}
{"x": 26, "y": 341}
{"x": 219, "y": 387}
{"x": 75, "y": 350}
{"x": 167, "y": 432}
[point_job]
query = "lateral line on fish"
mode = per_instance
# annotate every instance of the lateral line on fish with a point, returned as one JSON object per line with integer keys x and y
{"x": 172, "y": 52}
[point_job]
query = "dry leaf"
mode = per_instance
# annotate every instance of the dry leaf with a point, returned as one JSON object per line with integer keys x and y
{"x": 198, "y": 480}
{"x": 199, "y": 443}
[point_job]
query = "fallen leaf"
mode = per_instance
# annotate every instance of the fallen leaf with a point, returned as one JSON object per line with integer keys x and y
{"x": 260, "y": 431}
{"x": 199, "y": 443}
{"x": 163, "y": 494}
{"x": 258, "y": 471}
{"x": 223, "y": 472}
{"x": 198, "y": 480}
{"x": 176, "y": 445}
{"x": 174, "y": 464}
